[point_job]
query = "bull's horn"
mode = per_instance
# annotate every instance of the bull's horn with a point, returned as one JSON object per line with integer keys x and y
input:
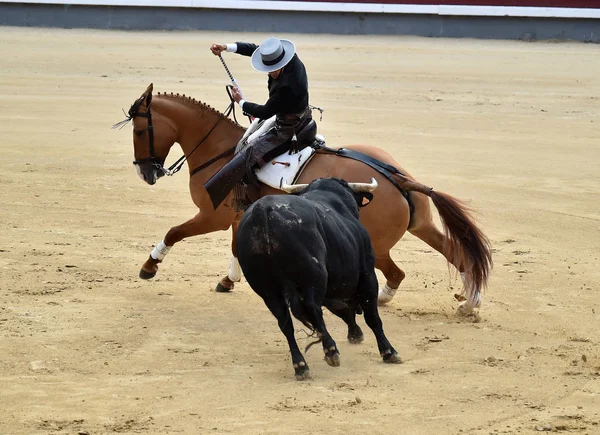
{"x": 364, "y": 187}
{"x": 293, "y": 188}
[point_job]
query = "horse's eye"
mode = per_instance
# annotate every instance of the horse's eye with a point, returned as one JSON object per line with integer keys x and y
{"x": 138, "y": 133}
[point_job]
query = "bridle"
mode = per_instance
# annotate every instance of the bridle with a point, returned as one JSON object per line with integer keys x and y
{"x": 158, "y": 162}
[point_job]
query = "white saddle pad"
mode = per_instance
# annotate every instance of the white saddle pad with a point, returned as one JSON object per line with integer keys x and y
{"x": 283, "y": 169}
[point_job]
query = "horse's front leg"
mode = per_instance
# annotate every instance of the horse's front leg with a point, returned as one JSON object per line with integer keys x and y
{"x": 234, "y": 275}
{"x": 199, "y": 224}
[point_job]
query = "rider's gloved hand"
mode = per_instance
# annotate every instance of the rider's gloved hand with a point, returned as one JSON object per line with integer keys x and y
{"x": 217, "y": 49}
{"x": 236, "y": 94}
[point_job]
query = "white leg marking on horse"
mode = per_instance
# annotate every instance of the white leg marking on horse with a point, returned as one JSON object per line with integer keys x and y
{"x": 386, "y": 294}
{"x": 160, "y": 251}
{"x": 473, "y": 296}
{"x": 235, "y": 271}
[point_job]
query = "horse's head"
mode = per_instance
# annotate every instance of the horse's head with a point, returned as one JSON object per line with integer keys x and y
{"x": 153, "y": 136}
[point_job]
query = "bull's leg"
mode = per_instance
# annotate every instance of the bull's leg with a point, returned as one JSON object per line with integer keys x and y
{"x": 199, "y": 224}
{"x": 393, "y": 275}
{"x": 280, "y": 310}
{"x": 348, "y": 315}
{"x": 368, "y": 301}
{"x": 314, "y": 312}
{"x": 234, "y": 275}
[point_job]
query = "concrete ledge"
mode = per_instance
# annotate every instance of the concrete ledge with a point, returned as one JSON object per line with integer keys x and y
{"x": 165, "y": 18}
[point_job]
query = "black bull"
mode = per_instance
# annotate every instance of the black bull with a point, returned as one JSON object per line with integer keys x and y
{"x": 309, "y": 250}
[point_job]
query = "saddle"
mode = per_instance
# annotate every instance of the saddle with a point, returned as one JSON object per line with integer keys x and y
{"x": 241, "y": 174}
{"x": 276, "y": 168}
{"x": 307, "y": 135}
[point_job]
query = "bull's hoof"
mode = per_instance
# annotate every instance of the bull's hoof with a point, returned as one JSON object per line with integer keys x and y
{"x": 355, "y": 335}
{"x": 302, "y": 371}
{"x": 222, "y": 289}
{"x": 147, "y": 275}
{"x": 392, "y": 358}
{"x": 332, "y": 357}
{"x": 356, "y": 339}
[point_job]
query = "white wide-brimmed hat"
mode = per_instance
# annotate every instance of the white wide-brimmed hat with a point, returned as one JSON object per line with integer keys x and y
{"x": 272, "y": 54}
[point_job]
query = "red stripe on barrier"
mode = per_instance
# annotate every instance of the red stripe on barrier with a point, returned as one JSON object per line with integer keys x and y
{"x": 593, "y": 4}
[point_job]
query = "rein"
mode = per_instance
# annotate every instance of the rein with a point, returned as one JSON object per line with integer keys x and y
{"x": 214, "y": 159}
{"x": 176, "y": 167}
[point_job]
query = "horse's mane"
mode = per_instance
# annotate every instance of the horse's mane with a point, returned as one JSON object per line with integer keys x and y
{"x": 192, "y": 101}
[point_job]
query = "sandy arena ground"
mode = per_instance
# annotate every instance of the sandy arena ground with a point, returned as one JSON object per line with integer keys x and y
{"x": 87, "y": 347}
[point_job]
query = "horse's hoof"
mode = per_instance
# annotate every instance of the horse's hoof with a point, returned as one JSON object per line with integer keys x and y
{"x": 466, "y": 306}
{"x": 386, "y": 294}
{"x": 147, "y": 275}
{"x": 467, "y": 311}
{"x": 222, "y": 289}
{"x": 392, "y": 358}
{"x": 470, "y": 316}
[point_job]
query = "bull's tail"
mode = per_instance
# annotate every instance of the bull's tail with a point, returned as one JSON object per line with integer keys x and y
{"x": 296, "y": 305}
{"x": 466, "y": 245}
{"x": 299, "y": 311}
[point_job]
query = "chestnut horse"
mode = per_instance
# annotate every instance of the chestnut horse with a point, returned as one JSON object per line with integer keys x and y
{"x": 207, "y": 138}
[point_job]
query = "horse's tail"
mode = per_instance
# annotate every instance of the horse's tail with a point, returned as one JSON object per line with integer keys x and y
{"x": 467, "y": 247}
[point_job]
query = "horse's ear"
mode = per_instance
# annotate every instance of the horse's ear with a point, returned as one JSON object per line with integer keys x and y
{"x": 147, "y": 95}
{"x": 148, "y": 90}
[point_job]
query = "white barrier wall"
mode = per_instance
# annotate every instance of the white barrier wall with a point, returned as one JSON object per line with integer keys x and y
{"x": 319, "y": 17}
{"x": 310, "y": 6}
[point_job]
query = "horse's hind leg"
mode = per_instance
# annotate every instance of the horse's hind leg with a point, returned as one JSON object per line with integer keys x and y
{"x": 393, "y": 274}
{"x": 437, "y": 240}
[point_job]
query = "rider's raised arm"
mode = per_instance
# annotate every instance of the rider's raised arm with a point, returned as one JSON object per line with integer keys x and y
{"x": 243, "y": 48}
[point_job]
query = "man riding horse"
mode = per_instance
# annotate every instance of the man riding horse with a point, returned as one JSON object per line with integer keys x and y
{"x": 402, "y": 204}
{"x": 288, "y": 101}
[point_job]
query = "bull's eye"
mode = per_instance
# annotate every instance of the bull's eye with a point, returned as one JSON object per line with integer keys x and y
{"x": 138, "y": 133}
